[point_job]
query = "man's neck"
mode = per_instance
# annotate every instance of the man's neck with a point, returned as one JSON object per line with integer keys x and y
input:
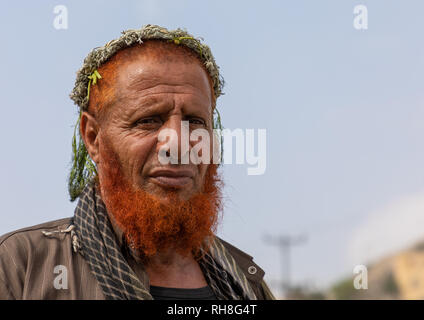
{"x": 172, "y": 270}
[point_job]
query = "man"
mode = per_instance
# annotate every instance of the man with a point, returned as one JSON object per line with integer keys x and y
{"x": 143, "y": 227}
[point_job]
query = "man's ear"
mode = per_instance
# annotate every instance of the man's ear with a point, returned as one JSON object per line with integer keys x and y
{"x": 89, "y": 129}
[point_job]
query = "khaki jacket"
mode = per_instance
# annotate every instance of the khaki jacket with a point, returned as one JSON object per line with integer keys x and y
{"x": 38, "y": 266}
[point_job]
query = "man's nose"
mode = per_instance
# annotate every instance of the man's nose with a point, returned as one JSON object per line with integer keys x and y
{"x": 178, "y": 141}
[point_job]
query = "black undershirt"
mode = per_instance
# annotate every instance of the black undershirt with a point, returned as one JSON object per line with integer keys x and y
{"x": 163, "y": 293}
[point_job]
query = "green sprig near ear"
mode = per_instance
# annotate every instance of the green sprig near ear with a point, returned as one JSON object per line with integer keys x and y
{"x": 83, "y": 168}
{"x": 93, "y": 80}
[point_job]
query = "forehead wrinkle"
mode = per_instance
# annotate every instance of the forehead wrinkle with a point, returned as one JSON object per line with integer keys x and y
{"x": 146, "y": 80}
{"x": 137, "y": 81}
{"x": 138, "y": 96}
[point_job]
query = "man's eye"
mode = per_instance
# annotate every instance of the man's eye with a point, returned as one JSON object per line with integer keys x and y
{"x": 196, "y": 121}
{"x": 148, "y": 121}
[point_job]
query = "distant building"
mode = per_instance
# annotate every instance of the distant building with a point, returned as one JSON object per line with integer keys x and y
{"x": 408, "y": 269}
{"x": 399, "y": 276}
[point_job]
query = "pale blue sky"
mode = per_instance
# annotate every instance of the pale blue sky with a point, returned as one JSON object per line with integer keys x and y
{"x": 343, "y": 111}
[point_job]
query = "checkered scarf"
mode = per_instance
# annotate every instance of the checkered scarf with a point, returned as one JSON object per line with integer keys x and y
{"x": 118, "y": 281}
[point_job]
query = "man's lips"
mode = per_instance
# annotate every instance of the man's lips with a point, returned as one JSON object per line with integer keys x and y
{"x": 172, "y": 178}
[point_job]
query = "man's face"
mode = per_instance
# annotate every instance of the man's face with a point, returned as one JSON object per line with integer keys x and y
{"x": 159, "y": 207}
{"x": 153, "y": 94}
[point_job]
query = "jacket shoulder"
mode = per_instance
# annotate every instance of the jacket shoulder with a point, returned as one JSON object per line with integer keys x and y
{"x": 31, "y": 231}
{"x": 251, "y": 270}
{"x": 29, "y": 261}
{"x": 245, "y": 261}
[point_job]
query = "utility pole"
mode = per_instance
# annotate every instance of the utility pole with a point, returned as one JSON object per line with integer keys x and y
{"x": 285, "y": 242}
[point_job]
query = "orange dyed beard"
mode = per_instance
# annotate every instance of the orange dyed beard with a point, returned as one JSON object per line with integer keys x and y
{"x": 151, "y": 225}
